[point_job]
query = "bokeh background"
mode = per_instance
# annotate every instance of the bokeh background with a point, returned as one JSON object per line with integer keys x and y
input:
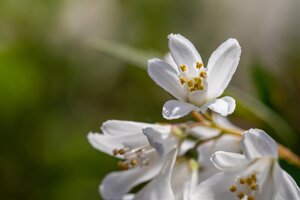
{"x": 66, "y": 66}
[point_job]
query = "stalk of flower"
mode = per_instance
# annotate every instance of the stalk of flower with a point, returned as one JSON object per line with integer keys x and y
{"x": 254, "y": 175}
{"x": 195, "y": 87}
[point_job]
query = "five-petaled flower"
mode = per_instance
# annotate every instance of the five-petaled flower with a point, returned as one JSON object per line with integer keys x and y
{"x": 195, "y": 87}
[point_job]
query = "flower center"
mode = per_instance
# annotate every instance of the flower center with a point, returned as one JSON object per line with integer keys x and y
{"x": 133, "y": 157}
{"x": 245, "y": 187}
{"x": 192, "y": 83}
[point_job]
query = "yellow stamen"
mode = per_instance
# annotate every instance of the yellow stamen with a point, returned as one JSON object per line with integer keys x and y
{"x": 233, "y": 188}
{"x": 190, "y": 83}
{"x": 198, "y": 80}
{"x": 242, "y": 181}
{"x": 249, "y": 181}
{"x": 254, "y": 186}
{"x": 199, "y": 65}
{"x": 192, "y": 89}
{"x": 240, "y": 195}
{"x": 250, "y": 198}
{"x": 121, "y": 151}
{"x": 134, "y": 162}
{"x": 115, "y": 152}
{"x": 183, "y": 68}
{"x": 182, "y": 80}
{"x": 123, "y": 165}
{"x": 202, "y": 74}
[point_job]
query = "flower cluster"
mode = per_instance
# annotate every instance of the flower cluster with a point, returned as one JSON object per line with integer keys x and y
{"x": 208, "y": 159}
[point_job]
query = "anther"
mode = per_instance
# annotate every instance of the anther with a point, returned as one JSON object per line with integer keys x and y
{"x": 121, "y": 151}
{"x": 240, "y": 195}
{"x": 183, "y": 68}
{"x": 242, "y": 181}
{"x": 202, "y": 74}
{"x": 190, "y": 83}
{"x": 233, "y": 188}
{"x": 192, "y": 89}
{"x": 182, "y": 80}
{"x": 254, "y": 186}
{"x": 199, "y": 65}
{"x": 198, "y": 80}
{"x": 250, "y": 198}
{"x": 115, "y": 152}
{"x": 134, "y": 162}
{"x": 248, "y": 180}
{"x": 123, "y": 165}
{"x": 253, "y": 177}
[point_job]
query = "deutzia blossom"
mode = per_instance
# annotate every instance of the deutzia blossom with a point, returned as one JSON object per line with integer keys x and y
{"x": 177, "y": 176}
{"x": 141, "y": 162}
{"x": 255, "y": 175}
{"x": 195, "y": 87}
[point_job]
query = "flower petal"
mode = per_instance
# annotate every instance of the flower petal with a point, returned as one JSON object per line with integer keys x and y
{"x": 160, "y": 187}
{"x": 227, "y": 161}
{"x": 169, "y": 59}
{"x": 174, "y": 109}
{"x": 204, "y": 132}
{"x": 224, "y": 106}
{"x": 285, "y": 186}
{"x": 214, "y": 188}
{"x": 256, "y": 144}
{"x": 221, "y": 67}
{"x": 184, "y": 52}
{"x": 107, "y": 143}
{"x": 116, "y": 184}
{"x": 166, "y": 77}
{"x": 227, "y": 143}
{"x": 163, "y": 145}
{"x": 121, "y": 127}
{"x": 224, "y": 122}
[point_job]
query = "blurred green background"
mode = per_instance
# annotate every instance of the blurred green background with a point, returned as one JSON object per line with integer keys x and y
{"x": 57, "y": 82}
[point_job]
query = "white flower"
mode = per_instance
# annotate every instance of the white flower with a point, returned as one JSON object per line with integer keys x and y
{"x": 177, "y": 176}
{"x": 225, "y": 142}
{"x": 255, "y": 175}
{"x": 141, "y": 162}
{"x": 196, "y": 88}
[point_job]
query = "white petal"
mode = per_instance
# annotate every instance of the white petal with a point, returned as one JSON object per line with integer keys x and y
{"x": 285, "y": 186}
{"x": 166, "y": 77}
{"x": 224, "y": 106}
{"x": 120, "y": 127}
{"x": 160, "y": 187}
{"x": 204, "y": 132}
{"x": 214, "y": 188}
{"x": 185, "y": 146}
{"x": 175, "y": 109}
{"x": 227, "y": 143}
{"x": 224, "y": 122}
{"x": 128, "y": 197}
{"x": 116, "y": 184}
{"x": 169, "y": 59}
{"x": 221, "y": 67}
{"x": 184, "y": 178}
{"x": 107, "y": 143}
{"x": 163, "y": 145}
{"x": 256, "y": 144}
{"x": 184, "y": 52}
{"x": 226, "y": 161}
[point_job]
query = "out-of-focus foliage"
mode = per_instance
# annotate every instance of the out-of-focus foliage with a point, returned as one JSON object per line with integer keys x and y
{"x": 55, "y": 88}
